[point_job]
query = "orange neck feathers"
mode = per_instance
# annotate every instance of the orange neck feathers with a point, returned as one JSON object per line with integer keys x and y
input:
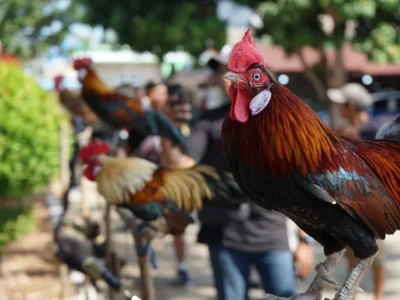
{"x": 287, "y": 135}
{"x": 93, "y": 84}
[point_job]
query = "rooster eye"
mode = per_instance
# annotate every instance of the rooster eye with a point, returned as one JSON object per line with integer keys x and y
{"x": 256, "y": 77}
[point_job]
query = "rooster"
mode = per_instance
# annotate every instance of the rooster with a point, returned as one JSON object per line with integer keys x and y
{"x": 148, "y": 191}
{"x": 79, "y": 254}
{"x": 121, "y": 111}
{"x": 73, "y": 102}
{"x": 338, "y": 190}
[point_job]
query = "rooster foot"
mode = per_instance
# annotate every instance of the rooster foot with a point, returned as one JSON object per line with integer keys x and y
{"x": 353, "y": 281}
{"x": 329, "y": 281}
{"x": 302, "y": 296}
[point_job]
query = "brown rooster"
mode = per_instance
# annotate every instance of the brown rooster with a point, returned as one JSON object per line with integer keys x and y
{"x": 340, "y": 191}
{"x": 73, "y": 102}
{"x": 121, "y": 111}
{"x": 148, "y": 191}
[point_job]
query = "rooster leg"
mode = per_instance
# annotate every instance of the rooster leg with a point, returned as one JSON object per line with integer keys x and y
{"x": 354, "y": 279}
{"x": 323, "y": 279}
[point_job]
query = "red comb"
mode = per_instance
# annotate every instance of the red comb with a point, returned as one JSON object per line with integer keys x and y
{"x": 94, "y": 148}
{"x": 58, "y": 80}
{"x": 244, "y": 54}
{"x": 82, "y": 63}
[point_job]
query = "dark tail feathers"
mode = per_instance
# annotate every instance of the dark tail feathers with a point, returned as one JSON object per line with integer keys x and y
{"x": 160, "y": 125}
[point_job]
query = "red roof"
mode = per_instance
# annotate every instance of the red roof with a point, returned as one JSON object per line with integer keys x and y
{"x": 276, "y": 59}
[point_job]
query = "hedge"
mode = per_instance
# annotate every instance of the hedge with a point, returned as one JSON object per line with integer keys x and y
{"x": 14, "y": 222}
{"x": 29, "y": 133}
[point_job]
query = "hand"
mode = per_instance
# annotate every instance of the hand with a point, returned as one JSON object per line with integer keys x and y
{"x": 172, "y": 157}
{"x": 350, "y": 132}
{"x": 304, "y": 256}
{"x": 179, "y": 114}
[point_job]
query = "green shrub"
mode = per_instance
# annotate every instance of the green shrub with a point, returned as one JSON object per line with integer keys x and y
{"x": 14, "y": 222}
{"x": 29, "y": 134}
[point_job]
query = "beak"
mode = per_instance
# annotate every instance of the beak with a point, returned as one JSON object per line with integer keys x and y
{"x": 233, "y": 77}
{"x": 269, "y": 85}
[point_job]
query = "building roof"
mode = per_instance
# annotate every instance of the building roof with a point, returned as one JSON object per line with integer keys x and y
{"x": 277, "y": 60}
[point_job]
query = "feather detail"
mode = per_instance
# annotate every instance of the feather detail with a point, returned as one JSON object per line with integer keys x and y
{"x": 137, "y": 181}
{"x": 93, "y": 84}
{"x": 382, "y": 158}
{"x": 358, "y": 189}
{"x": 119, "y": 178}
{"x": 281, "y": 147}
{"x": 188, "y": 187}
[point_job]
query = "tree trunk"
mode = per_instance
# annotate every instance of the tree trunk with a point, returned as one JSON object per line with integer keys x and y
{"x": 337, "y": 77}
{"x": 315, "y": 81}
{"x": 334, "y": 78}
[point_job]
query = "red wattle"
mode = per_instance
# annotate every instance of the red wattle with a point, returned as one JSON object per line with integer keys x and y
{"x": 240, "y": 104}
{"x": 89, "y": 173}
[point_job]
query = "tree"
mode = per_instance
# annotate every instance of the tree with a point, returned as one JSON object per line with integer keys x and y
{"x": 28, "y": 27}
{"x": 162, "y": 27}
{"x": 369, "y": 25}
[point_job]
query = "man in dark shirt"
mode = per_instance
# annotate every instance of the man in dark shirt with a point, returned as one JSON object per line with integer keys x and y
{"x": 241, "y": 237}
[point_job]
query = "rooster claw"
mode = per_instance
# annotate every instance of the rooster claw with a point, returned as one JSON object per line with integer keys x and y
{"x": 325, "y": 275}
{"x": 272, "y": 297}
{"x": 301, "y": 296}
{"x": 358, "y": 290}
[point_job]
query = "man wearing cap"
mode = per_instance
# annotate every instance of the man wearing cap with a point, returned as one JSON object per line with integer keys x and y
{"x": 353, "y": 101}
{"x": 352, "y": 104}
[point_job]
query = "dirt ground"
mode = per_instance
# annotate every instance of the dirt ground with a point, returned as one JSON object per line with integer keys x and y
{"x": 30, "y": 271}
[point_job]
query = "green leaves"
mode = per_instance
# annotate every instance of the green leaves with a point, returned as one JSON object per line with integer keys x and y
{"x": 29, "y": 134}
{"x": 14, "y": 222}
{"x": 27, "y": 27}
{"x": 294, "y": 24}
{"x": 161, "y": 28}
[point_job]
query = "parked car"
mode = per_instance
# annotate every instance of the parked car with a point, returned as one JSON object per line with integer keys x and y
{"x": 385, "y": 107}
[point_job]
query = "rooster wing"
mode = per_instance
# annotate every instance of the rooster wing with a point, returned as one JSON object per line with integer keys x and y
{"x": 149, "y": 190}
{"x": 126, "y": 112}
{"x": 351, "y": 183}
